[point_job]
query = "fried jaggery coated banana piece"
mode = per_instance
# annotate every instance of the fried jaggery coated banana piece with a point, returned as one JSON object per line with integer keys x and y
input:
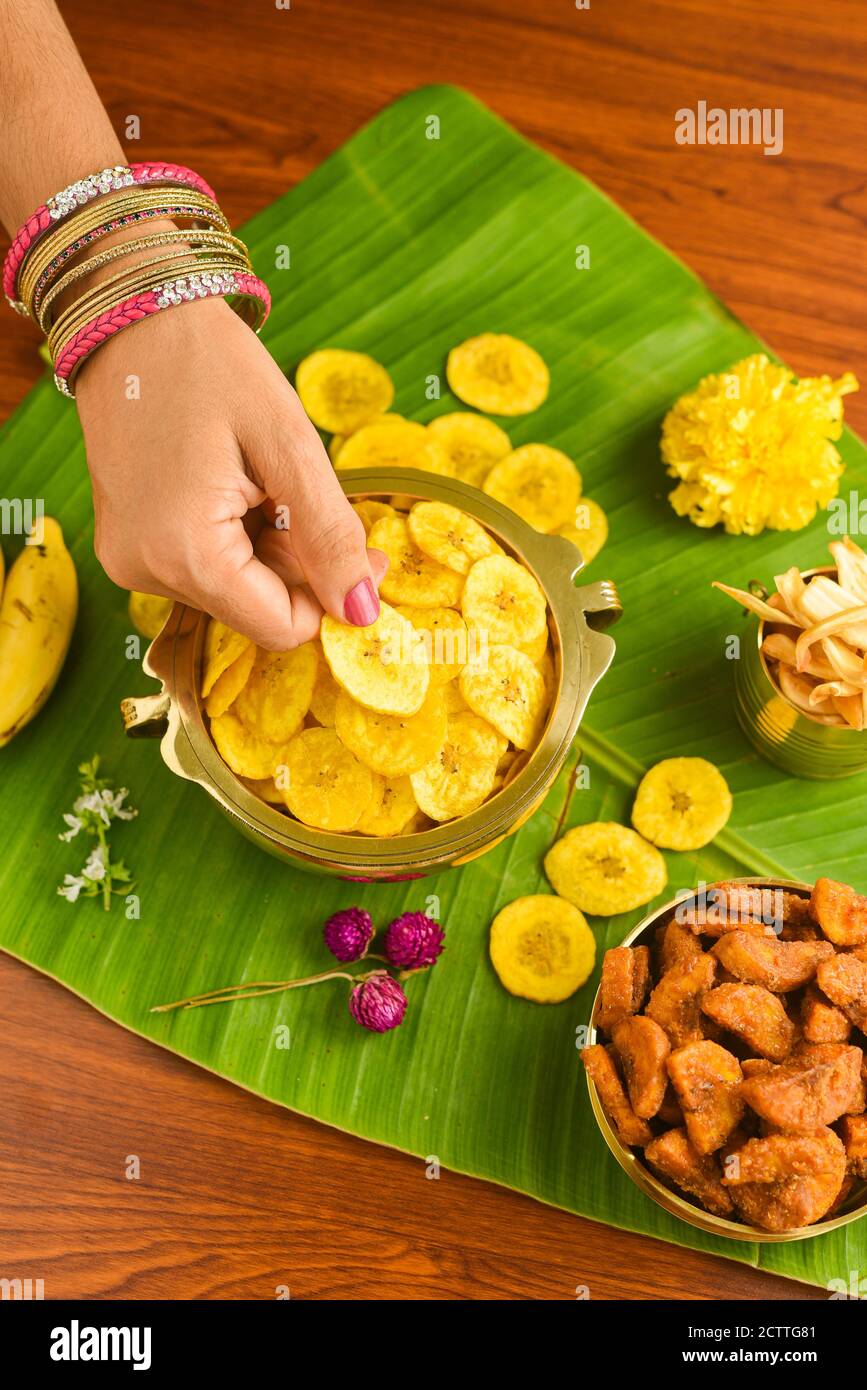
{"x": 756, "y": 1066}
{"x": 853, "y": 1132}
{"x": 669, "y": 1112}
{"x": 840, "y": 912}
{"x": 675, "y": 945}
{"x": 707, "y": 1079}
{"x": 631, "y": 1130}
{"x": 643, "y": 1048}
{"x": 675, "y": 1003}
{"x": 625, "y": 977}
{"x": 755, "y": 1015}
{"x": 763, "y": 960}
{"x": 673, "y": 1156}
{"x": 777, "y": 1157}
{"x": 821, "y": 1020}
{"x": 843, "y": 979}
{"x": 812, "y": 1089}
{"x": 799, "y": 924}
{"x": 793, "y": 1202}
{"x": 726, "y": 907}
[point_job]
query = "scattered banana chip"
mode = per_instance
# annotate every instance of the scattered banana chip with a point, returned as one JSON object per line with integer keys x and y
{"x": 148, "y": 613}
{"x": 604, "y": 868}
{"x": 446, "y": 640}
{"x": 222, "y": 646}
{"x": 396, "y": 812}
{"x": 412, "y": 577}
{"x": 338, "y": 440}
{"x": 541, "y": 484}
{"x": 472, "y": 443}
{"x": 393, "y": 745}
{"x": 277, "y": 695}
{"x": 245, "y": 753}
{"x": 327, "y": 787}
{"x": 681, "y": 803}
{"x": 589, "y": 530}
{"x": 341, "y": 391}
{"x": 382, "y": 666}
{"x": 542, "y": 948}
{"x": 449, "y": 536}
{"x": 462, "y": 774}
{"x": 228, "y": 686}
{"x": 508, "y": 691}
{"x": 387, "y": 443}
{"x": 325, "y": 692}
{"x": 371, "y": 511}
{"x": 498, "y": 373}
{"x": 502, "y": 599}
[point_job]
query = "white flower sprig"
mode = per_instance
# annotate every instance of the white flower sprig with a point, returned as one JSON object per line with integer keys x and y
{"x": 92, "y": 814}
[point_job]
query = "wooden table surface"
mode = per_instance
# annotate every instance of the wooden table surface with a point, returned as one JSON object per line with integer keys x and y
{"x": 237, "y": 1197}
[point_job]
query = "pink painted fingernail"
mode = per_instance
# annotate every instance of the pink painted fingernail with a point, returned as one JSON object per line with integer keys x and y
{"x": 361, "y": 605}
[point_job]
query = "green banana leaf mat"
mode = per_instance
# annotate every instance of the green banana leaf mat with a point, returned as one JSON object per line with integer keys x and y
{"x": 402, "y": 245}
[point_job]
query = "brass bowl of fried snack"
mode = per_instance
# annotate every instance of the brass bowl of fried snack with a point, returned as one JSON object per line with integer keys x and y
{"x": 413, "y": 745}
{"x": 727, "y": 1059}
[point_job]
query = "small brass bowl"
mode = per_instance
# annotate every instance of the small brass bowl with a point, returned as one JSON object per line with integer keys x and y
{"x": 781, "y": 732}
{"x": 644, "y": 1178}
{"x": 583, "y": 653}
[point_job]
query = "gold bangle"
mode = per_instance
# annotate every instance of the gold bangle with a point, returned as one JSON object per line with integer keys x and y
{"x": 196, "y": 239}
{"x": 91, "y": 305}
{"x": 96, "y": 220}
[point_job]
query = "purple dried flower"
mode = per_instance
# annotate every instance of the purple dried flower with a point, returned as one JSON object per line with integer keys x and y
{"x": 378, "y": 1003}
{"x": 413, "y": 941}
{"x": 348, "y": 933}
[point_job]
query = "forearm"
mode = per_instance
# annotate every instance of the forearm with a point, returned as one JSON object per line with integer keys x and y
{"x": 53, "y": 127}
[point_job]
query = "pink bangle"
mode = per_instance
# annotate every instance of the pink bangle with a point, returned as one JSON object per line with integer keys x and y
{"x": 195, "y": 286}
{"x": 70, "y": 199}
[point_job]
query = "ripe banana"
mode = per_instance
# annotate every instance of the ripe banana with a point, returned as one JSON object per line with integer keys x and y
{"x": 37, "y": 615}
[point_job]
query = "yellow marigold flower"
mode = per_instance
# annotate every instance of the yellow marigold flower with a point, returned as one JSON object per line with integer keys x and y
{"x": 752, "y": 447}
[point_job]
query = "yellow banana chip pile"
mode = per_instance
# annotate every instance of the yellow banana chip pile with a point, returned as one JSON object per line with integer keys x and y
{"x": 418, "y": 719}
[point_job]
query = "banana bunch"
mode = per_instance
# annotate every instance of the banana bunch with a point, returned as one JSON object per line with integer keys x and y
{"x": 37, "y": 615}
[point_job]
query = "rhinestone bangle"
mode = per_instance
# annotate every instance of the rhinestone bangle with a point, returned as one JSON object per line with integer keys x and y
{"x": 251, "y": 296}
{"x": 102, "y": 184}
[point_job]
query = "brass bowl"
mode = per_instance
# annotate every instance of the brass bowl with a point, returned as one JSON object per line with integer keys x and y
{"x": 583, "y": 654}
{"x": 782, "y": 733}
{"x": 855, "y": 1205}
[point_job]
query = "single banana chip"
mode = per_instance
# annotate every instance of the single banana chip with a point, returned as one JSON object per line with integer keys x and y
{"x": 541, "y": 484}
{"x": 337, "y": 441}
{"x": 463, "y": 773}
{"x": 383, "y": 666}
{"x": 277, "y": 695}
{"x": 498, "y": 373}
{"x": 222, "y": 646}
{"x": 387, "y": 443}
{"x": 681, "y": 803}
{"x": 341, "y": 391}
{"x": 377, "y": 797}
{"x": 605, "y": 868}
{"x": 393, "y": 745}
{"x": 446, "y": 640}
{"x": 327, "y": 787}
{"x": 323, "y": 701}
{"x": 371, "y": 511}
{"x": 508, "y": 691}
{"x": 589, "y": 530}
{"x": 228, "y": 686}
{"x": 472, "y": 443}
{"x": 398, "y": 809}
{"x": 412, "y": 577}
{"x": 245, "y": 753}
{"x": 503, "y": 600}
{"x": 449, "y": 536}
{"x": 542, "y": 948}
{"x": 148, "y": 613}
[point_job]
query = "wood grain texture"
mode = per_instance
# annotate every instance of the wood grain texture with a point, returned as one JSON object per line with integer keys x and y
{"x": 237, "y": 1197}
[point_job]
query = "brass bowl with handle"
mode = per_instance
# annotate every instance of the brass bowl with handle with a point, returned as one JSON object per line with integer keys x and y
{"x": 583, "y": 652}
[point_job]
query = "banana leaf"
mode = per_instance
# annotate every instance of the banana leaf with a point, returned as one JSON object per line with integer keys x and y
{"x": 401, "y": 245}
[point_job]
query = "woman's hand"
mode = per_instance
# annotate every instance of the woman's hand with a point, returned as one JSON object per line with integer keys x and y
{"x": 210, "y": 484}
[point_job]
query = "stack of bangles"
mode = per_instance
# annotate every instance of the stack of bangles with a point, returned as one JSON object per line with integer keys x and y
{"x": 57, "y": 251}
